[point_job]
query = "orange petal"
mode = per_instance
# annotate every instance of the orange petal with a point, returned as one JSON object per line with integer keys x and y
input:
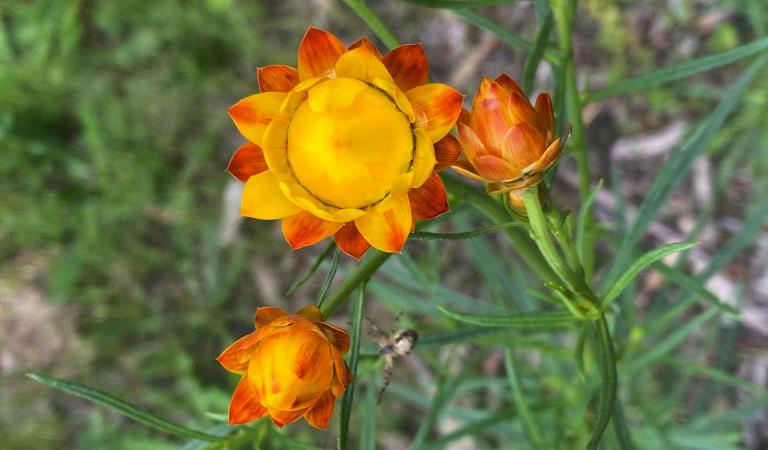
{"x": 521, "y": 110}
{"x": 253, "y": 113}
{"x": 281, "y": 418}
{"x": 470, "y": 142}
{"x": 244, "y": 406}
{"x": 550, "y": 157}
{"x": 429, "y": 200}
{"x": 408, "y": 66}
{"x": 437, "y": 107}
{"x": 545, "y": 112}
{"x": 522, "y": 145}
{"x": 248, "y": 160}
{"x": 311, "y": 312}
{"x": 303, "y": 229}
{"x": 493, "y": 168}
{"x": 267, "y": 314}
{"x": 490, "y": 116}
{"x": 362, "y": 65}
{"x": 277, "y": 78}
{"x": 509, "y": 84}
{"x": 318, "y": 53}
{"x": 350, "y": 241}
{"x": 320, "y": 414}
{"x": 387, "y": 230}
{"x": 236, "y": 357}
{"x": 365, "y": 43}
{"x": 338, "y": 337}
{"x": 464, "y": 167}
{"x": 447, "y": 150}
{"x": 263, "y": 199}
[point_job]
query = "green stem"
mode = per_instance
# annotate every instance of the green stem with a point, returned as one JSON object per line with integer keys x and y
{"x": 356, "y": 316}
{"x": 374, "y": 23}
{"x": 563, "y": 12}
{"x": 540, "y": 234}
{"x": 481, "y": 201}
{"x": 609, "y": 383}
{"x": 372, "y": 261}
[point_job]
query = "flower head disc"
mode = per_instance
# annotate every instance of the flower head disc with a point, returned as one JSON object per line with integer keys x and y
{"x": 291, "y": 367}
{"x": 508, "y": 142}
{"x": 347, "y": 145}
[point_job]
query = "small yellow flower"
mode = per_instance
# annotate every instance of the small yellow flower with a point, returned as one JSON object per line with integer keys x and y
{"x": 346, "y": 145}
{"x": 508, "y": 142}
{"x": 291, "y": 366}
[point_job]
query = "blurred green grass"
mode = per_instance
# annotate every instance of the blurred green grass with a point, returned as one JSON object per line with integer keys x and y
{"x": 113, "y": 140}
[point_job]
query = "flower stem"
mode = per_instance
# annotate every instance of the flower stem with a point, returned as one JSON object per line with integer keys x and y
{"x": 609, "y": 383}
{"x": 374, "y": 23}
{"x": 372, "y": 261}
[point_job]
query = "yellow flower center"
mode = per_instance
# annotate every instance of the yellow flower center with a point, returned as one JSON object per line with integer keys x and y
{"x": 348, "y": 143}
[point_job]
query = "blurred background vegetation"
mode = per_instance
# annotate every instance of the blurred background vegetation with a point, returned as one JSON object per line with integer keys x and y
{"x": 124, "y": 265}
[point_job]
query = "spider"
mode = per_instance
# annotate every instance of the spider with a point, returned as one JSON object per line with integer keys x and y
{"x": 392, "y": 345}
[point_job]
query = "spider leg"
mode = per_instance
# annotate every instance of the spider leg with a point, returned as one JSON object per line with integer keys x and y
{"x": 396, "y": 322}
{"x": 375, "y": 332}
{"x": 389, "y": 365}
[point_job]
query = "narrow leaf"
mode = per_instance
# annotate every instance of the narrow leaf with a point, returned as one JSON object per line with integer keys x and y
{"x": 518, "y": 320}
{"x": 430, "y": 236}
{"x": 312, "y": 269}
{"x": 694, "y": 286}
{"x": 123, "y": 407}
{"x": 643, "y": 82}
{"x": 641, "y": 263}
{"x": 356, "y": 314}
{"x": 328, "y": 280}
{"x": 532, "y": 432}
{"x": 534, "y": 58}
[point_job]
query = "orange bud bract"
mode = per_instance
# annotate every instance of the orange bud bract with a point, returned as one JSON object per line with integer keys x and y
{"x": 291, "y": 367}
{"x": 508, "y": 143}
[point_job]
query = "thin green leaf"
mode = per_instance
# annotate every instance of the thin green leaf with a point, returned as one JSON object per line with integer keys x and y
{"x": 329, "y": 276}
{"x": 458, "y": 4}
{"x": 470, "y": 429}
{"x": 356, "y": 314}
{"x": 585, "y": 215}
{"x": 534, "y": 57}
{"x": 675, "y": 169}
{"x": 608, "y": 385}
{"x": 312, "y": 269}
{"x": 712, "y": 373}
{"x": 532, "y": 432}
{"x": 639, "y": 265}
{"x": 511, "y": 39}
{"x": 643, "y": 82}
{"x": 694, "y": 286}
{"x": 123, "y": 407}
{"x": 621, "y": 428}
{"x": 517, "y": 320}
{"x": 374, "y": 23}
{"x": 368, "y": 433}
{"x": 430, "y": 236}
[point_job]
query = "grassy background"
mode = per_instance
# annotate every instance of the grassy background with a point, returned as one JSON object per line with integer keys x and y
{"x": 123, "y": 264}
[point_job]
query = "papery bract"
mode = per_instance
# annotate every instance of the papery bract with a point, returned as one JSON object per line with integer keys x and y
{"x": 291, "y": 367}
{"x": 346, "y": 145}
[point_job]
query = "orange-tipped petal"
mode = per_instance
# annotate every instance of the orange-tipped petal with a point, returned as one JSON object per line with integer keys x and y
{"x": 338, "y": 337}
{"x": 545, "y": 112}
{"x": 235, "y": 358}
{"x": 362, "y": 65}
{"x": 253, "y": 113}
{"x": 447, "y": 150}
{"x": 437, "y": 107}
{"x": 490, "y": 116}
{"x": 408, "y": 66}
{"x": 247, "y": 161}
{"x": 318, "y": 53}
{"x": 277, "y": 78}
{"x": 311, "y": 312}
{"x": 266, "y": 314}
{"x": 521, "y": 110}
{"x": 550, "y": 157}
{"x": 303, "y": 229}
{"x": 464, "y": 167}
{"x": 522, "y": 145}
{"x": 429, "y": 200}
{"x": 244, "y": 406}
{"x": 493, "y": 168}
{"x": 350, "y": 241}
{"x": 281, "y": 418}
{"x": 365, "y": 43}
{"x": 387, "y": 230}
{"x": 263, "y": 199}
{"x": 320, "y": 414}
{"x": 423, "y": 159}
{"x": 509, "y": 84}
{"x": 470, "y": 142}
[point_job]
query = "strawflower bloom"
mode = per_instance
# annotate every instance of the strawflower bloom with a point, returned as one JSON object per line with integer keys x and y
{"x": 291, "y": 366}
{"x": 347, "y": 144}
{"x": 508, "y": 143}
